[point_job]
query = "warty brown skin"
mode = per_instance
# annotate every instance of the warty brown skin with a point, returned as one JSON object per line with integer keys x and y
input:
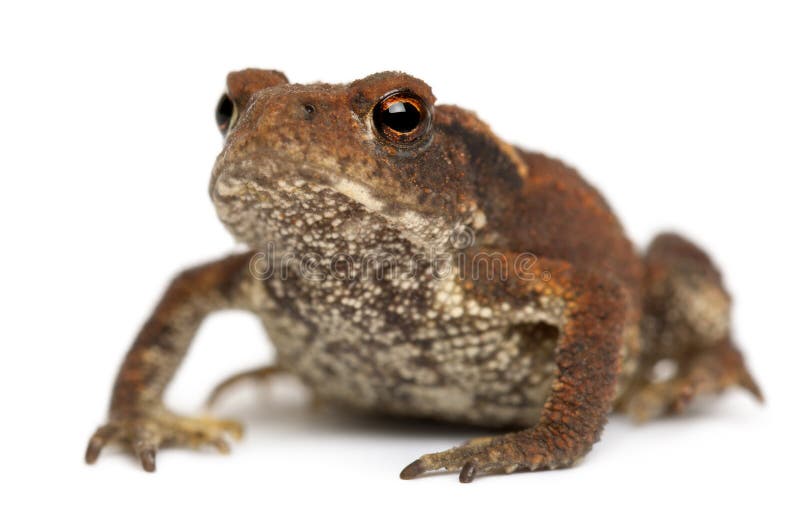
{"x": 547, "y": 320}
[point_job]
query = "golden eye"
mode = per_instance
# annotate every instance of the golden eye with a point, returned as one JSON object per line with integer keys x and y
{"x": 401, "y": 117}
{"x": 226, "y": 114}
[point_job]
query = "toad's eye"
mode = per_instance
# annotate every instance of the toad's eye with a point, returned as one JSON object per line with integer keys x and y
{"x": 226, "y": 114}
{"x": 401, "y": 117}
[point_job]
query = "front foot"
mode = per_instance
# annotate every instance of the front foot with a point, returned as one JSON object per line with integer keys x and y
{"x": 144, "y": 433}
{"x": 501, "y": 454}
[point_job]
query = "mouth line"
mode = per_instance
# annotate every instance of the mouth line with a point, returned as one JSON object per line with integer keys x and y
{"x": 257, "y": 173}
{"x": 267, "y": 169}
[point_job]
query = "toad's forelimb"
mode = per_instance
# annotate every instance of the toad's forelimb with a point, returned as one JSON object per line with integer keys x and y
{"x": 588, "y": 360}
{"x": 137, "y": 416}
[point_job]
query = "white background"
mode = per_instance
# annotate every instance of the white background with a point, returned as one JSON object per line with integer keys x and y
{"x": 687, "y": 116}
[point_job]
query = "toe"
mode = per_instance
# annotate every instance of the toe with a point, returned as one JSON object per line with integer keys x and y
{"x": 414, "y": 469}
{"x": 98, "y": 441}
{"x": 148, "y": 458}
{"x": 233, "y": 428}
{"x": 221, "y": 445}
{"x": 467, "y": 474}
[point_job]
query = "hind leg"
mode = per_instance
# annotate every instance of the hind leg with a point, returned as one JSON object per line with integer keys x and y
{"x": 687, "y": 349}
{"x": 261, "y": 373}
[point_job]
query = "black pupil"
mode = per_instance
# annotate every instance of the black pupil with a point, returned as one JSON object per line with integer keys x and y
{"x": 224, "y": 112}
{"x": 401, "y": 116}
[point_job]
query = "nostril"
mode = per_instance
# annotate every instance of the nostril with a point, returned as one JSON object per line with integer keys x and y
{"x": 309, "y": 110}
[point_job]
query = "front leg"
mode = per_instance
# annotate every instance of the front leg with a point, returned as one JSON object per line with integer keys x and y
{"x": 587, "y": 357}
{"x": 137, "y": 416}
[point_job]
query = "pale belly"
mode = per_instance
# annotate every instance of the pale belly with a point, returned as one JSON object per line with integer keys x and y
{"x": 498, "y": 377}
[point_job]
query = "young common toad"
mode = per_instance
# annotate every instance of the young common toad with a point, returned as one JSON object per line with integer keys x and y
{"x": 404, "y": 259}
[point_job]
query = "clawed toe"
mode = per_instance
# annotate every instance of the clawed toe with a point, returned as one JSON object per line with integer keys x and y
{"x": 412, "y": 470}
{"x": 148, "y": 459}
{"x": 467, "y": 473}
{"x": 98, "y": 441}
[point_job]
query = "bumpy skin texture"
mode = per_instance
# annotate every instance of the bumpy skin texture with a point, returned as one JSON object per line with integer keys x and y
{"x": 545, "y": 318}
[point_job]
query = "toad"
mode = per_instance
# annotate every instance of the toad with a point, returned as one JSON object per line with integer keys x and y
{"x": 405, "y": 260}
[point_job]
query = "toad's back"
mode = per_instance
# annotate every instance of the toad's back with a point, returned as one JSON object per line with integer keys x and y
{"x": 557, "y": 214}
